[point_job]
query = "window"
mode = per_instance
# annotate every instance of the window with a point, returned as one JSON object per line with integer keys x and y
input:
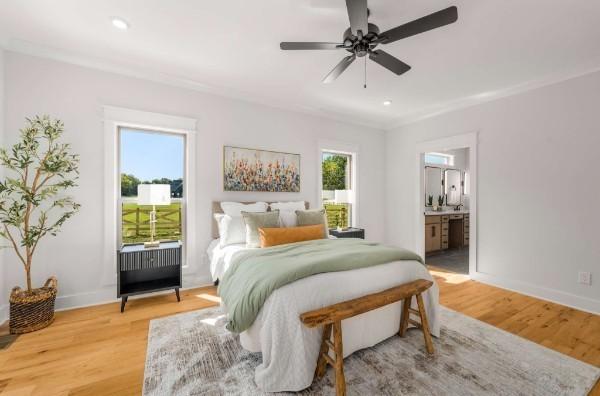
{"x": 439, "y": 159}
{"x": 337, "y": 189}
{"x": 149, "y": 157}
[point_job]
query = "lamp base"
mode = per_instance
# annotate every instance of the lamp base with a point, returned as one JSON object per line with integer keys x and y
{"x": 153, "y": 244}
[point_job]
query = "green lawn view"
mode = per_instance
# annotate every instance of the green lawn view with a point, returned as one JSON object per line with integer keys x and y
{"x": 136, "y": 225}
{"x": 337, "y": 214}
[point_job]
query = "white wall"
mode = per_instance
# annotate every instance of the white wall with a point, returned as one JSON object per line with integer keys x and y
{"x": 3, "y": 269}
{"x": 76, "y": 95}
{"x": 461, "y": 158}
{"x": 538, "y": 217}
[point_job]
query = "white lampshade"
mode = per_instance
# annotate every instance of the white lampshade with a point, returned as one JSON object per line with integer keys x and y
{"x": 342, "y": 196}
{"x": 154, "y": 194}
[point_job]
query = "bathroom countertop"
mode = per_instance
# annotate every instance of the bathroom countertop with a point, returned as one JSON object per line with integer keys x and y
{"x": 446, "y": 212}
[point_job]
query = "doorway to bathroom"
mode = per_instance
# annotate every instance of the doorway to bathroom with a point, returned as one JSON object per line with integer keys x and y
{"x": 447, "y": 212}
{"x": 446, "y": 215}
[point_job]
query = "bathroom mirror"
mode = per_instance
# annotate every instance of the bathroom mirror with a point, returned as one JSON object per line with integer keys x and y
{"x": 433, "y": 184}
{"x": 453, "y": 187}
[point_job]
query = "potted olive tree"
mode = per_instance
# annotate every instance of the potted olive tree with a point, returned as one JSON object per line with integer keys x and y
{"x": 33, "y": 205}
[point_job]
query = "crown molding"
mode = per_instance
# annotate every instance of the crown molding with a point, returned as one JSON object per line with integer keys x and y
{"x": 139, "y": 72}
{"x": 484, "y": 97}
{"x": 142, "y": 73}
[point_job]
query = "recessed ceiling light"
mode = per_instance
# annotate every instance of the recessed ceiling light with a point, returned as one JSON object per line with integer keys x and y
{"x": 120, "y": 23}
{"x": 387, "y": 102}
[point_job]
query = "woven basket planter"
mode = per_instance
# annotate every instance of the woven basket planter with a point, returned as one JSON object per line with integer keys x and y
{"x": 32, "y": 311}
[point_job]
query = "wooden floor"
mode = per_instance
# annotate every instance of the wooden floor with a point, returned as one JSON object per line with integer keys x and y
{"x": 98, "y": 351}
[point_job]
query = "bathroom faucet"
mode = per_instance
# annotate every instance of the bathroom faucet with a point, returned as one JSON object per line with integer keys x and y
{"x": 457, "y": 207}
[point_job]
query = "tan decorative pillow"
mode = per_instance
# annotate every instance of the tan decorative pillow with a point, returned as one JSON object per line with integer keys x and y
{"x": 254, "y": 221}
{"x": 280, "y": 236}
{"x": 313, "y": 217}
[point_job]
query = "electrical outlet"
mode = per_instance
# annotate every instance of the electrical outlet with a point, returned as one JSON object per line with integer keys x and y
{"x": 585, "y": 278}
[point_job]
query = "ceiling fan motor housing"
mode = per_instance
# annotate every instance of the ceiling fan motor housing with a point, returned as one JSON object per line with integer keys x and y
{"x": 361, "y": 46}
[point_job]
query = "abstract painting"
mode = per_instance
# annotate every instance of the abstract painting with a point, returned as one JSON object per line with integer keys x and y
{"x": 260, "y": 170}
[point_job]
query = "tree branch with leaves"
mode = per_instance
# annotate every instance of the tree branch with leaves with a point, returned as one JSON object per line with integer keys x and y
{"x": 32, "y": 202}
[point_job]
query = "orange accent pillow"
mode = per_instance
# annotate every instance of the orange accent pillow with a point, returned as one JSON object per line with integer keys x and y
{"x": 280, "y": 236}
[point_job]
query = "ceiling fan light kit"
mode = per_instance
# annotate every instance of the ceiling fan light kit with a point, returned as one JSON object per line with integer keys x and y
{"x": 362, "y": 38}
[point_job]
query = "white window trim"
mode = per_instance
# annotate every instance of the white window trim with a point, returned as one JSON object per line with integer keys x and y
{"x": 350, "y": 149}
{"x": 449, "y": 156}
{"x": 115, "y": 117}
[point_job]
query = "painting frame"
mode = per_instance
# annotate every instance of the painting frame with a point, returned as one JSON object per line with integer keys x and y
{"x": 258, "y": 170}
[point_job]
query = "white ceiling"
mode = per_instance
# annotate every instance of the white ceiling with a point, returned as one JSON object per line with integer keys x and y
{"x": 232, "y": 47}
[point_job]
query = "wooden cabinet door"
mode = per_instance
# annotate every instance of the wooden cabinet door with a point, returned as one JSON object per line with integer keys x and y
{"x": 436, "y": 237}
{"x": 433, "y": 237}
{"x": 428, "y": 237}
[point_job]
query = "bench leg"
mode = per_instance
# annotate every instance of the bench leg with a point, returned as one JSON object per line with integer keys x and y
{"x": 405, "y": 316}
{"x": 424, "y": 324}
{"x": 321, "y": 362}
{"x": 340, "y": 380}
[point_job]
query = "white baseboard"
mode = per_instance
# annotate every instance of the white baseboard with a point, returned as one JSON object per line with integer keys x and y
{"x": 3, "y": 314}
{"x": 555, "y": 296}
{"x": 107, "y": 295}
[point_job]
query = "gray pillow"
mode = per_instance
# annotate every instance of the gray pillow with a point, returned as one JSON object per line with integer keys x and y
{"x": 313, "y": 217}
{"x": 254, "y": 221}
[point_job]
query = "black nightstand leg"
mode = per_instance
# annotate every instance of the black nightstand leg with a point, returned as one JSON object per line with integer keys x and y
{"x": 123, "y": 302}
{"x": 177, "y": 294}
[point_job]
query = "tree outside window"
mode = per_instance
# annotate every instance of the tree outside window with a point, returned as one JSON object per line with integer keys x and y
{"x": 336, "y": 177}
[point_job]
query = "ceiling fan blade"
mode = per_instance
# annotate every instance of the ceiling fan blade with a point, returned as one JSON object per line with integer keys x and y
{"x": 388, "y": 61}
{"x": 339, "y": 69}
{"x": 429, "y": 22}
{"x": 357, "y": 11}
{"x": 309, "y": 46}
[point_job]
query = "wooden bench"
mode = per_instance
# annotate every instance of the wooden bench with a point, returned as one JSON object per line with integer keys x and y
{"x": 331, "y": 319}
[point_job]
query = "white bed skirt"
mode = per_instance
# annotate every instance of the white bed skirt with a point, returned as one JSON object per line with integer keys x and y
{"x": 290, "y": 350}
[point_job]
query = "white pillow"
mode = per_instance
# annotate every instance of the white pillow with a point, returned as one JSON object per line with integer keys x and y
{"x": 235, "y": 209}
{"x": 232, "y": 229}
{"x": 287, "y": 212}
{"x": 288, "y": 219}
{"x": 288, "y": 206}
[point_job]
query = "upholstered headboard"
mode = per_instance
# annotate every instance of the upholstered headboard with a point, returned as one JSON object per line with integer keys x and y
{"x": 216, "y": 208}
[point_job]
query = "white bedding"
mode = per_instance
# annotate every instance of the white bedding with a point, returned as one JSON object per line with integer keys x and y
{"x": 289, "y": 349}
{"x": 220, "y": 257}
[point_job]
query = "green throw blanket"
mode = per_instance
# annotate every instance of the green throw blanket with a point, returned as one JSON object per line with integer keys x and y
{"x": 254, "y": 274}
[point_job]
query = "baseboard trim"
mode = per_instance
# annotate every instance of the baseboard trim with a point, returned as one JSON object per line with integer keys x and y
{"x": 555, "y": 296}
{"x": 107, "y": 295}
{"x": 3, "y": 314}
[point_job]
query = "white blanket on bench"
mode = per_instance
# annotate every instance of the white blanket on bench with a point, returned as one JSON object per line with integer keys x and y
{"x": 290, "y": 350}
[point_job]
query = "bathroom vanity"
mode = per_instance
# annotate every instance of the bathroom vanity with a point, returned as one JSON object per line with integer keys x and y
{"x": 446, "y": 230}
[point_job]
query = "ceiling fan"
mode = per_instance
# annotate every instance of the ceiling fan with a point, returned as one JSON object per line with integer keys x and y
{"x": 363, "y": 37}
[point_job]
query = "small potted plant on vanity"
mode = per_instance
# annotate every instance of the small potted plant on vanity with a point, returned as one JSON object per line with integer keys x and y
{"x": 440, "y": 202}
{"x": 32, "y": 205}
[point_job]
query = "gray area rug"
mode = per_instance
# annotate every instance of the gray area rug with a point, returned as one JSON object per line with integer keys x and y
{"x": 193, "y": 354}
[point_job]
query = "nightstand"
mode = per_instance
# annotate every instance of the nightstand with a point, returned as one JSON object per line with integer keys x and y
{"x": 145, "y": 270}
{"x": 348, "y": 233}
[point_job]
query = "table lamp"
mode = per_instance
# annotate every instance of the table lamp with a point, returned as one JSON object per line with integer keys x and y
{"x": 153, "y": 194}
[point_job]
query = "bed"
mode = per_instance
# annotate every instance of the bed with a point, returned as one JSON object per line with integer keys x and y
{"x": 289, "y": 349}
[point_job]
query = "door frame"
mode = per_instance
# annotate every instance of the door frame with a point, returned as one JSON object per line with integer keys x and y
{"x": 467, "y": 140}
